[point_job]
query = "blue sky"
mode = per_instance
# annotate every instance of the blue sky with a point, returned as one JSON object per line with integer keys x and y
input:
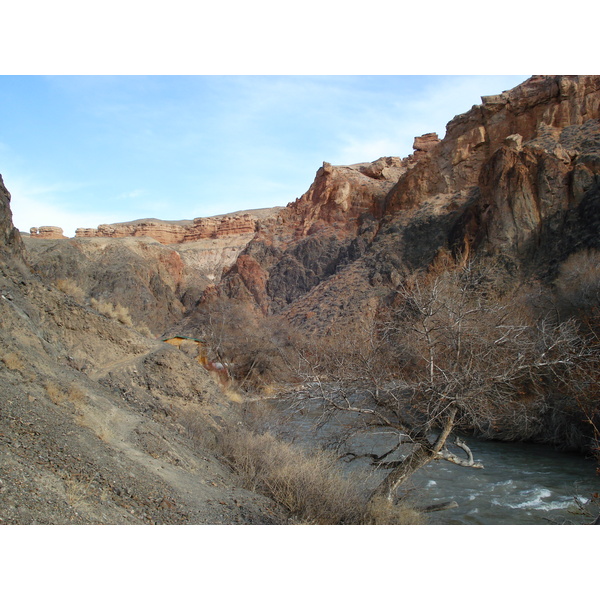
{"x": 78, "y": 151}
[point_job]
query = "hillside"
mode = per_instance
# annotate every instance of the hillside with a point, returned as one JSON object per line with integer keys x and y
{"x": 99, "y": 424}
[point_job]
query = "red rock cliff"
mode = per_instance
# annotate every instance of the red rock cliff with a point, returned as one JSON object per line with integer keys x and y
{"x": 529, "y": 110}
{"x": 514, "y": 173}
{"x": 176, "y": 233}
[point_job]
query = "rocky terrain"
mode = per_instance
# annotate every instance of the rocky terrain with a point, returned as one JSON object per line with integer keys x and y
{"x": 99, "y": 424}
{"x": 156, "y": 269}
{"x": 516, "y": 176}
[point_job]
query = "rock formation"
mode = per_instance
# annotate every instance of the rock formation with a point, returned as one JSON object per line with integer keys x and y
{"x": 89, "y": 404}
{"x": 516, "y": 175}
{"x": 178, "y": 232}
{"x": 156, "y": 269}
{"x": 96, "y": 420}
{"x": 10, "y": 240}
{"x": 47, "y": 232}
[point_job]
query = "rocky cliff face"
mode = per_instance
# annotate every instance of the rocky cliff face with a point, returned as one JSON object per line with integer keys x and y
{"x": 143, "y": 276}
{"x": 155, "y": 269}
{"x": 10, "y": 240}
{"x": 343, "y": 195}
{"x": 516, "y": 175}
{"x": 312, "y": 237}
{"x": 538, "y": 108}
{"x": 156, "y": 282}
{"x": 96, "y": 420}
{"x": 166, "y": 232}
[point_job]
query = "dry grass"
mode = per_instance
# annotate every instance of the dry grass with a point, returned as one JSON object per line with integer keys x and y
{"x": 102, "y": 430}
{"x": 59, "y": 395}
{"x": 144, "y": 330}
{"x": 233, "y": 396}
{"x": 577, "y": 285}
{"x": 75, "y": 394}
{"x": 120, "y": 313}
{"x": 77, "y": 492}
{"x": 310, "y": 485}
{"x": 13, "y": 361}
{"x": 381, "y": 512}
{"x": 113, "y": 311}
{"x": 68, "y": 286}
{"x": 54, "y": 392}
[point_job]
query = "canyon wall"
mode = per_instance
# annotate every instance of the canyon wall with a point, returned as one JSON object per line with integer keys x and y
{"x": 180, "y": 232}
{"x": 48, "y": 232}
{"x": 515, "y": 176}
{"x": 10, "y": 239}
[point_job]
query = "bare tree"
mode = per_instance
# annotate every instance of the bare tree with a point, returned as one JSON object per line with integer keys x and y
{"x": 452, "y": 355}
{"x": 243, "y": 339}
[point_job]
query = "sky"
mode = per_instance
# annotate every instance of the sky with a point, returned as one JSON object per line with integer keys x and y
{"x": 126, "y": 109}
{"x": 78, "y": 151}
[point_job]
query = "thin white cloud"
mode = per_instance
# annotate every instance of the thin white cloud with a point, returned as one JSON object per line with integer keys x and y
{"x": 392, "y": 132}
{"x": 130, "y": 195}
{"x": 355, "y": 150}
{"x": 193, "y": 147}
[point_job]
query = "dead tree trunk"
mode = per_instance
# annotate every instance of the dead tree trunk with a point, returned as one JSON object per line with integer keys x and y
{"x": 423, "y": 454}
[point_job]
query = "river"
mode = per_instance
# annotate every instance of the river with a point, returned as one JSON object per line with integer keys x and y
{"x": 520, "y": 484}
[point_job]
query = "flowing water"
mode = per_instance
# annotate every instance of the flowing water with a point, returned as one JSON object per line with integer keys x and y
{"x": 519, "y": 484}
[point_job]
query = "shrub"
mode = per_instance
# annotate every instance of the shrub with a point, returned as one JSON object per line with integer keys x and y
{"x": 77, "y": 491}
{"x": 577, "y": 285}
{"x": 68, "y": 286}
{"x": 112, "y": 311}
{"x": 381, "y": 512}
{"x": 143, "y": 330}
{"x": 13, "y": 361}
{"x": 121, "y": 313}
{"x": 309, "y": 484}
{"x": 58, "y": 394}
{"x": 54, "y": 392}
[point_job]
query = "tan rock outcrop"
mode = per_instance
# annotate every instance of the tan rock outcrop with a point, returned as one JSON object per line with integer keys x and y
{"x": 533, "y": 109}
{"x": 167, "y": 232}
{"x": 47, "y": 233}
{"x": 426, "y": 142}
{"x": 341, "y": 195}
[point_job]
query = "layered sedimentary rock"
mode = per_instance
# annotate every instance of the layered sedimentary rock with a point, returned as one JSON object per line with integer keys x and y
{"x": 426, "y": 142}
{"x": 341, "y": 196}
{"x": 47, "y": 232}
{"x": 179, "y": 232}
{"x": 531, "y": 110}
{"x": 93, "y": 415}
{"x": 516, "y": 175}
{"x": 141, "y": 275}
{"x": 308, "y": 240}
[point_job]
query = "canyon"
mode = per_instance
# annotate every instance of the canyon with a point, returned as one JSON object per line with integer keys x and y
{"x": 513, "y": 183}
{"x": 515, "y": 176}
